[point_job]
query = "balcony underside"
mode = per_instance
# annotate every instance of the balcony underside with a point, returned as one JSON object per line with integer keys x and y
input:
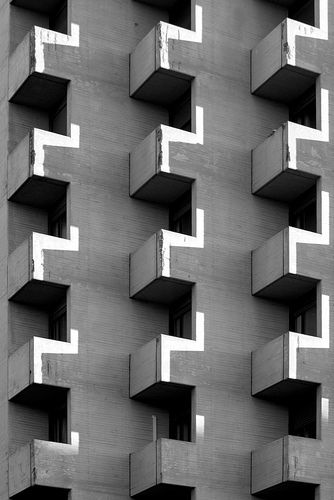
{"x": 42, "y": 493}
{"x": 162, "y": 393}
{"x": 287, "y": 84}
{"x": 165, "y": 492}
{"x": 284, "y": 390}
{"x": 40, "y": 395}
{"x": 289, "y": 491}
{"x": 174, "y": 85}
{"x": 41, "y": 91}
{"x": 163, "y": 188}
{"x": 39, "y": 293}
{"x": 163, "y": 291}
{"x": 44, "y": 6}
{"x": 286, "y": 186}
{"x": 40, "y": 192}
{"x": 284, "y": 3}
{"x": 162, "y": 4}
{"x": 287, "y": 287}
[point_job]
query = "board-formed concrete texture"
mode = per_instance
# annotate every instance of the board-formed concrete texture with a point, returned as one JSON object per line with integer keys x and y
{"x": 111, "y": 112}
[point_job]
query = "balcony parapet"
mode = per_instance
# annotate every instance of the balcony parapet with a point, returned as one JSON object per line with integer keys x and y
{"x": 285, "y": 465}
{"x": 157, "y": 273}
{"x": 163, "y": 466}
{"x": 36, "y": 75}
{"x": 36, "y": 176}
{"x": 32, "y": 380}
{"x": 282, "y": 67}
{"x": 164, "y": 59}
{"x": 42, "y": 464}
{"x": 159, "y": 166}
{"x": 33, "y": 279}
{"x": 151, "y": 378}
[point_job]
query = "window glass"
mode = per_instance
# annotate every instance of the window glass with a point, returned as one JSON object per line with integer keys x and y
{"x": 58, "y": 323}
{"x": 303, "y": 315}
{"x": 303, "y": 212}
{"x": 58, "y": 424}
{"x": 57, "y": 220}
{"x": 180, "y": 215}
{"x": 180, "y": 318}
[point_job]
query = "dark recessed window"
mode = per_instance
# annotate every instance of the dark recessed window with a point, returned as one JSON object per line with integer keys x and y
{"x": 180, "y": 215}
{"x": 180, "y": 14}
{"x": 180, "y": 318}
{"x": 57, "y": 220}
{"x": 180, "y": 112}
{"x": 58, "y": 323}
{"x": 303, "y": 212}
{"x": 303, "y": 315}
{"x": 303, "y": 11}
{"x": 58, "y": 119}
{"x": 304, "y": 109}
{"x": 58, "y": 18}
{"x": 303, "y": 415}
{"x": 180, "y": 419}
{"x": 58, "y": 423}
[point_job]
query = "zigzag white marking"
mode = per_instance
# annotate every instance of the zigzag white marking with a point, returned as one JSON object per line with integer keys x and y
{"x": 171, "y": 134}
{"x": 307, "y": 237}
{"x": 170, "y": 32}
{"x": 44, "y": 138}
{"x": 43, "y": 36}
{"x": 42, "y": 242}
{"x": 301, "y": 341}
{"x": 170, "y": 343}
{"x": 171, "y": 239}
{"x": 49, "y": 346}
{"x": 296, "y": 131}
{"x": 296, "y": 28}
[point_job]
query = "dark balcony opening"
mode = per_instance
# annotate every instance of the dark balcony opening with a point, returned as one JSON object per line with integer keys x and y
{"x": 289, "y": 491}
{"x": 58, "y": 322}
{"x": 55, "y": 9}
{"x": 180, "y": 418}
{"x": 303, "y": 315}
{"x": 57, "y": 220}
{"x": 58, "y": 421}
{"x": 180, "y": 318}
{"x": 303, "y": 11}
{"x": 180, "y": 14}
{"x": 58, "y": 18}
{"x": 180, "y": 215}
{"x": 58, "y": 118}
{"x": 304, "y": 109}
{"x": 180, "y": 112}
{"x": 303, "y": 414}
{"x": 303, "y": 212}
{"x": 42, "y": 493}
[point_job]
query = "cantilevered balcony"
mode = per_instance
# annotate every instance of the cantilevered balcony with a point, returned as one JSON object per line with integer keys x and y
{"x": 158, "y": 166}
{"x": 164, "y": 59}
{"x": 281, "y": 66}
{"x": 286, "y": 467}
{"x": 45, "y": 7}
{"x": 159, "y": 269}
{"x": 151, "y": 379}
{"x": 31, "y": 179}
{"x": 274, "y": 266}
{"x": 278, "y": 172}
{"x": 42, "y": 467}
{"x": 34, "y": 79}
{"x": 280, "y": 369}
{"x": 164, "y": 467}
{"x": 34, "y": 377}
{"x": 36, "y": 277}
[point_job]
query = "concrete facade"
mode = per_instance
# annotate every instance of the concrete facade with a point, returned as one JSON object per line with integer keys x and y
{"x": 165, "y": 254}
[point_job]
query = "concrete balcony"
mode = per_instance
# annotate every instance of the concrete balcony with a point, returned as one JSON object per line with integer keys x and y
{"x": 33, "y": 76}
{"x": 274, "y": 266}
{"x": 286, "y": 466}
{"x": 164, "y": 59}
{"x": 40, "y": 466}
{"x": 159, "y": 272}
{"x": 45, "y": 7}
{"x": 163, "y": 467}
{"x": 35, "y": 376}
{"x": 278, "y": 172}
{"x": 151, "y": 379}
{"x": 281, "y": 369}
{"x": 158, "y": 165}
{"x": 29, "y": 180}
{"x": 34, "y": 276}
{"x": 281, "y": 66}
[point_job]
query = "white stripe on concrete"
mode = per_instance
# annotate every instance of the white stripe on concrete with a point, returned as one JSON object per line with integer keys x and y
{"x": 43, "y": 138}
{"x": 296, "y": 28}
{"x": 43, "y": 36}
{"x": 42, "y": 242}
{"x": 297, "y": 235}
{"x": 168, "y": 32}
{"x": 170, "y": 343}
